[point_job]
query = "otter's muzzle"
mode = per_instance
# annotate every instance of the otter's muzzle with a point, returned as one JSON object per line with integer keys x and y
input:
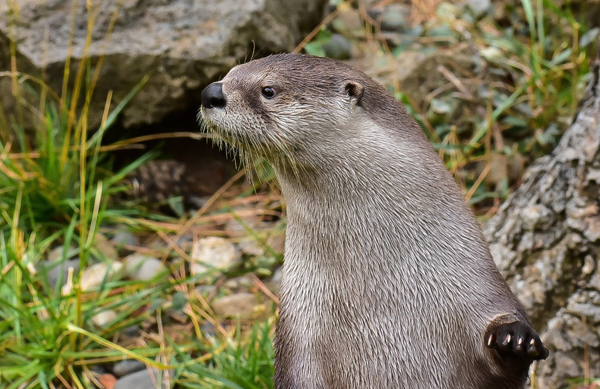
{"x": 213, "y": 97}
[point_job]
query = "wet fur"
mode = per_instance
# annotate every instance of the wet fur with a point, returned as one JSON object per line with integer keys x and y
{"x": 387, "y": 281}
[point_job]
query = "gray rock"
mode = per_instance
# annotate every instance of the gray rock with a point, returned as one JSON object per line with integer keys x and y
{"x": 54, "y": 270}
{"x": 143, "y": 267}
{"x": 338, "y": 47}
{"x": 131, "y": 331}
{"x": 127, "y": 366}
{"x": 237, "y": 305}
{"x": 183, "y": 44}
{"x": 94, "y": 275}
{"x": 142, "y": 380}
{"x": 396, "y": 17}
{"x": 274, "y": 283}
{"x": 104, "y": 318}
{"x": 480, "y": 6}
{"x": 124, "y": 238}
{"x": 104, "y": 249}
{"x": 545, "y": 239}
{"x": 213, "y": 252}
{"x": 57, "y": 253}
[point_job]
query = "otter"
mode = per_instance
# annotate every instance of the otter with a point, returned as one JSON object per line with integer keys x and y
{"x": 387, "y": 280}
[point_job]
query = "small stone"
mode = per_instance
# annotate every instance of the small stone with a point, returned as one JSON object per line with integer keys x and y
{"x": 141, "y": 380}
{"x": 104, "y": 318}
{"x": 143, "y": 267}
{"x": 350, "y": 22}
{"x": 235, "y": 227}
{"x": 272, "y": 239}
{"x": 127, "y": 366}
{"x": 208, "y": 328}
{"x": 56, "y": 254}
{"x": 124, "y": 238}
{"x": 492, "y": 54}
{"x": 94, "y": 275}
{"x": 237, "y": 305}
{"x": 213, "y": 252}
{"x": 204, "y": 290}
{"x": 274, "y": 283}
{"x": 56, "y": 270}
{"x": 396, "y": 17}
{"x": 239, "y": 283}
{"x": 338, "y": 47}
{"x": 104, "y": 248}
{"x": 480, "y": 6}
{"x": 131, "y": 331}
{"x": 108, "y": 381}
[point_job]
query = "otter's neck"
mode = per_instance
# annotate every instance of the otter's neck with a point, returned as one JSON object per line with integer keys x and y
{"x": 369, "y": 199}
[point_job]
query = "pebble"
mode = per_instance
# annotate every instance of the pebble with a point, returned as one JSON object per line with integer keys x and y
{"x": 270, "y": 233}
{"x": 108, "y": 381}
{"x": 396, "y": 17}
{"x": 124, "y": 238}
{"x": 243, "y": 283}
{"x": 234, "y": 226}
{"x": 55, "y": 269}
{"x": 140, "y": 380}
{"x": 131, "y": 331}
{"x": 127, "y": 366}
{"x": 93, "y": 276}
{"x": 104, "y": 248}
{"x": 213, "y": 252}
{"x": 143, "y": 267}
{"x": 56, "y": 254}
{"x": 274, "y": 283}
{"x": 480, "y": 6}
{"x": 338, "y": 47}
{"x": 104, "y": 318}
{"x": 237, "y": 305}
{"x": 205, "y": 290}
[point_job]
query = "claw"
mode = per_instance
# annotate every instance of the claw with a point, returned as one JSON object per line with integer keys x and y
{"x": 516, "y": 340}
{"x": 490, "y": 341}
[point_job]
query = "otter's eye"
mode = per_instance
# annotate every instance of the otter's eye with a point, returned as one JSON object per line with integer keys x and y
{"x": 268, "y": 92}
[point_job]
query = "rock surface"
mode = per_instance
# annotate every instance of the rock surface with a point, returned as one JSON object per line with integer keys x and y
{"x": 94, "y": 275}
{"x": 127, "y": 366}
{"x": 142, "y": 380}
{"x": 58, "y": 253}
{"x": 182, "y": 44}
{"x": 104, "y": 318}
{"x": 143, "y": 267}
{"x": 237, "y": 305}
{"x": 546, "y": 241}
{"x": 213, "y": 252}
{"x": 124, "y": 238}
{"x": 58, "y": 271}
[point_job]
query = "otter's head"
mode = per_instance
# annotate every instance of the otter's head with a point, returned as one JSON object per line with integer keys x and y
{"x": 282, "y": 106}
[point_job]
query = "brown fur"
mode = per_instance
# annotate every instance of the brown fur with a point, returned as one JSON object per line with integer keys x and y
{"x": 387, "y": 281}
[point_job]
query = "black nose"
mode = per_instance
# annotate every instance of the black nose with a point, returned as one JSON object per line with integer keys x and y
{"x": 213, "y": 97}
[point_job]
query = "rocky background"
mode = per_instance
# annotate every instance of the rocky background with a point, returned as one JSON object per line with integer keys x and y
{"x": 526, "y": 158}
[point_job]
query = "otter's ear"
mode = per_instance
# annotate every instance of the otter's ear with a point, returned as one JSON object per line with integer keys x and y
{"x": 355, "y": 91}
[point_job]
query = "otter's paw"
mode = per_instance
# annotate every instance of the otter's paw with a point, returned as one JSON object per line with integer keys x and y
{"x": 516, "y": 339}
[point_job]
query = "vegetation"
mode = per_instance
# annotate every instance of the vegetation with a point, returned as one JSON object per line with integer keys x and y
{"x": 60, "y": 189}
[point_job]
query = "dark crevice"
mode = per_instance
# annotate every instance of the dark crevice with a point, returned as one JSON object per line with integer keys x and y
{"x": 201, "y": 168}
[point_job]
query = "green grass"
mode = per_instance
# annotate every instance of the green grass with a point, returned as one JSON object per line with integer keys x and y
{"x": 59, "y": 190}
{"x": 239, "y": 364}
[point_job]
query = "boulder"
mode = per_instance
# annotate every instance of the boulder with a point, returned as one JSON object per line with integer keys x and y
{"x": 182, "y": 45}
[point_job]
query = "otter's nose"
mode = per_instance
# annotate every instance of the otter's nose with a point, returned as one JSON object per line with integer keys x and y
{"x": 213, "y": 97}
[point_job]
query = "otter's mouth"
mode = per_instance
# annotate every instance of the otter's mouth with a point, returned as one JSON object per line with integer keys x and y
{"x": 212, "y": 125}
